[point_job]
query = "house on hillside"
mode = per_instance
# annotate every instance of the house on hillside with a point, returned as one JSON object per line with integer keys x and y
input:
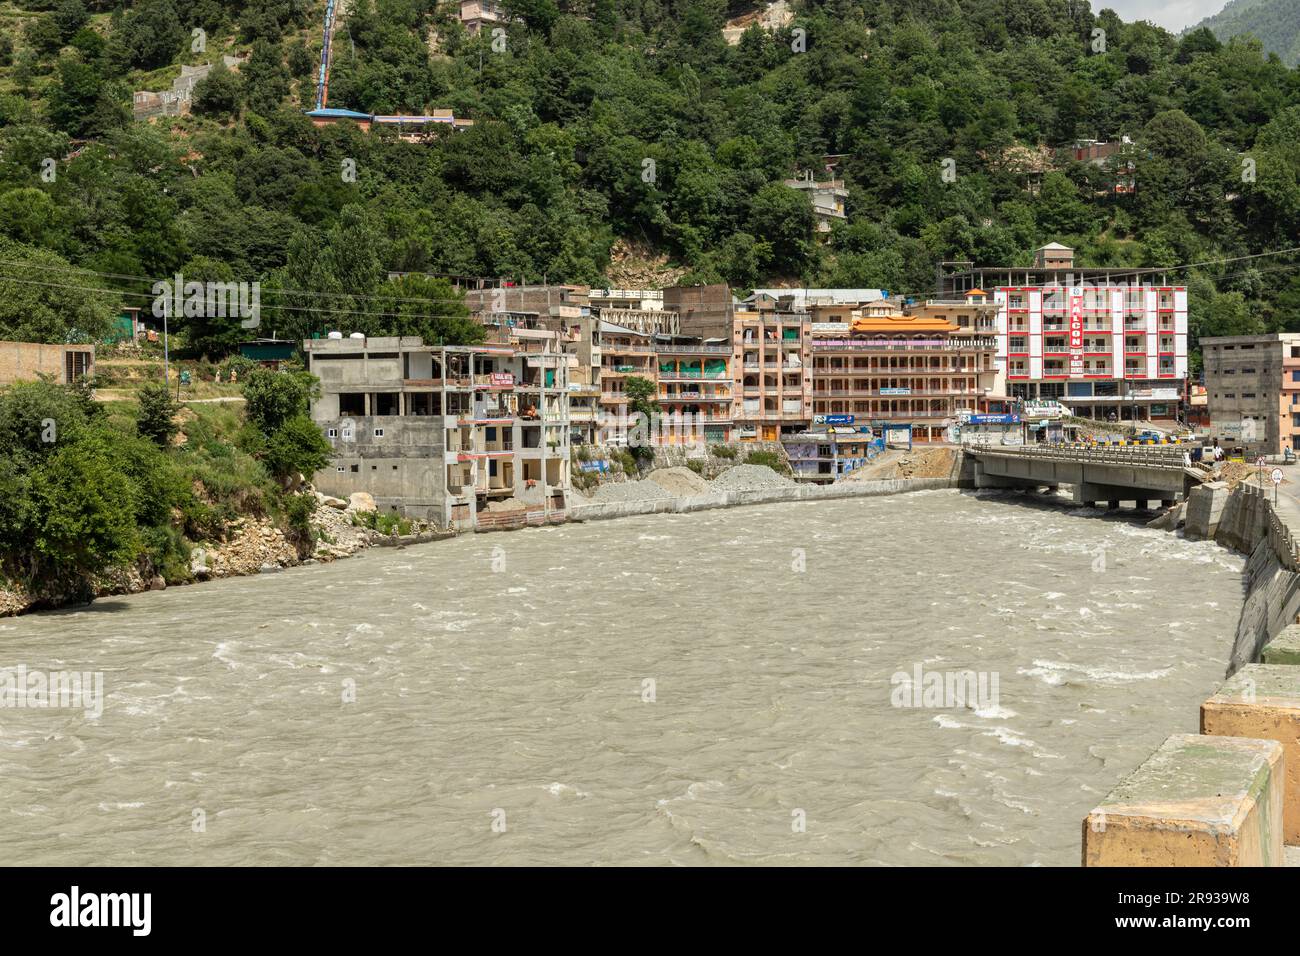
{"x": 146, "y": 105}
{"x": 827, "y": 198}
{"x": 30, "y": 361}
{"x": 477, "y": 14}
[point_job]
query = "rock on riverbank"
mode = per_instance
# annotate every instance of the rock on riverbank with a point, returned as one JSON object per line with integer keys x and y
{"x": 252, "y": 545}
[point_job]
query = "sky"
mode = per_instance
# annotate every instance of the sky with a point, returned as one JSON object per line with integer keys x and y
{"x": 1173, "y": 15}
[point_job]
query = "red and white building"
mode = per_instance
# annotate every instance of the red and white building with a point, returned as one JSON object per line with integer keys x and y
{"x": 1103, "y": 342}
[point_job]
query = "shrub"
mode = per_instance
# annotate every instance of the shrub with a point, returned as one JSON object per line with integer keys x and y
{"x": 81, "y": 518}
{"x": 385, "y": 522}
{"x": 769, "y": 458}
{"x": 696, "y": 466}
{"x": 273, "y": 398}
{"x": 153, "y": 420}
{"x": 297, "y": 446}
{"x": 298, "y": 510}
{"x": 628, "y": 461}
{"x": 723, "y": 451}
{"x": 237, "y": 363}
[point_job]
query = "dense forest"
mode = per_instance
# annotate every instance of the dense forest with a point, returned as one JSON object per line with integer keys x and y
{"x": 1275, "y": 22}
{"x": 604, "y": 121}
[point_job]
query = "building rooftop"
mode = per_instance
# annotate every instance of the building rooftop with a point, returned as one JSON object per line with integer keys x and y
{"x": 891, "y": 324}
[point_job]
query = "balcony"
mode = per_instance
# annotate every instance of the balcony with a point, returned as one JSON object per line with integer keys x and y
{"x": 694, "y": 349}
{"x": 695, "y": 376}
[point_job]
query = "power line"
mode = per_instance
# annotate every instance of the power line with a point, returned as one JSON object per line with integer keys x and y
{"x": 305, "y": 292}
{"x": 119, "y": 293}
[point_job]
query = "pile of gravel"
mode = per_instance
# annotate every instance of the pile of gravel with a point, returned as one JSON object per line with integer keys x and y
{"x": 750, "y": 478}
{"x": 679, "y": 481}
{"x": 630, "y": 491}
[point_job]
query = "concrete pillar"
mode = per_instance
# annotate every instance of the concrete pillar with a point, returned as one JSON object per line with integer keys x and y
{"x": 1263, "y": 701}
{"x": 1196, "y": 801}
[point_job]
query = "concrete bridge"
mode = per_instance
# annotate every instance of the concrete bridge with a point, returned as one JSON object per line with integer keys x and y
{"x": 1105, "y": 475}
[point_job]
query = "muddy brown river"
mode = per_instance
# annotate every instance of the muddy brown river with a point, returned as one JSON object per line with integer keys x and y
{"x": 711, "y": 688}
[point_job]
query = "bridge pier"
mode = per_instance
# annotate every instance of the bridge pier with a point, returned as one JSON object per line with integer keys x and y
{"x": 985, "y": 480}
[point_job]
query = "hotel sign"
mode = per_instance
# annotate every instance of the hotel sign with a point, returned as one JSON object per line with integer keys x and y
{"x": 1076, "y": 330}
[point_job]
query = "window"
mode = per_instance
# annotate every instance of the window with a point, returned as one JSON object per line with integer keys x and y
{"x": 333, "y": 433}
{"x": 1247, "y": 394}
{"x": 355, "y": 469}
{"x": 341, "y": 468}
{"x": 379, "y": 433}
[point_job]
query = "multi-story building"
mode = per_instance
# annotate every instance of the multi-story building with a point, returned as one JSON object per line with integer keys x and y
{"x": 694, "y": 390}
{"x": 461, "y": 436}
{"x": 478, "y": 14}
{"x": 827, "y": 198}
{"x": 892, "y": 369}
{"x": 1252, "y": 385}
{"x": 704, "y": 311}
{"x": 772, "y": 371}
{"x": 624, "y": 353}
{"x": 640, "y": 309}
{"x": 1106, "y": 343}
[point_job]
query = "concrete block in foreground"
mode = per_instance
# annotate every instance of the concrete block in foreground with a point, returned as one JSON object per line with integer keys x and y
{"x": 1283, "y": 649}
{"x": 1196, "y": 801}
{"x": 1263, "y": 701}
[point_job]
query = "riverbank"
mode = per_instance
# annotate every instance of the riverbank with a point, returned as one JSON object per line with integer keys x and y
{"x": 257, "y": 546}
{"x": 253, "y": 545}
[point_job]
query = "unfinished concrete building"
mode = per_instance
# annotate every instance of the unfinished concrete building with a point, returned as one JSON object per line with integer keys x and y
{"x": 465, "y": 437}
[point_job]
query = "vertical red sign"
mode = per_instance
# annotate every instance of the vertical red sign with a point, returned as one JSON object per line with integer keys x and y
{"x": 1076, "y": 331}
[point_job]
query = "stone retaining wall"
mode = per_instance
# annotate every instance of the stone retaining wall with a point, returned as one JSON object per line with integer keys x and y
{"x": 603, "y": 510}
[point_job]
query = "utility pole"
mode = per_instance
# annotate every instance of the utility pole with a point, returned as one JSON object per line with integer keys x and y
{"x": 167, "y": 307}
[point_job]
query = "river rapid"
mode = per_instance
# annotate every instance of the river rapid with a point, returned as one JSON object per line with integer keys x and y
{"x": 708, "y": 688}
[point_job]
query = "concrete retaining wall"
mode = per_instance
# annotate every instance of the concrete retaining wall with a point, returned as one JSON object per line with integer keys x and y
{"x": 1205, "y": 506}
{"x": 598, "y": 511}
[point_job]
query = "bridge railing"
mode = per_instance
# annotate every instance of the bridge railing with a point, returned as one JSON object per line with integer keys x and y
{"x": 1147, "y": 457}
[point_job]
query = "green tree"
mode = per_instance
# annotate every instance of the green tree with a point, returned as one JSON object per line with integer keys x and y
{"x": 271, "y": 399}
{"x": 81, "y": 517}
{"x": 155, "y": 415}
{"x": 297, "y": 446}
{"x": 218, "y": 93}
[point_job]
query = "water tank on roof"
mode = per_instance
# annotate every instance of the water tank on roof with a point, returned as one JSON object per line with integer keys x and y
{"x": 335, "y": 335}
{"x": 358, "y": 335}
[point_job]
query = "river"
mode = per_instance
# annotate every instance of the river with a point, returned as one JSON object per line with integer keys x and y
{"x": 708, "y": 688}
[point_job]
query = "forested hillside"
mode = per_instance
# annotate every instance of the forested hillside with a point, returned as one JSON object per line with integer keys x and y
{"x": 1275, "y": 22}
{"x": 569, "y": 111}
